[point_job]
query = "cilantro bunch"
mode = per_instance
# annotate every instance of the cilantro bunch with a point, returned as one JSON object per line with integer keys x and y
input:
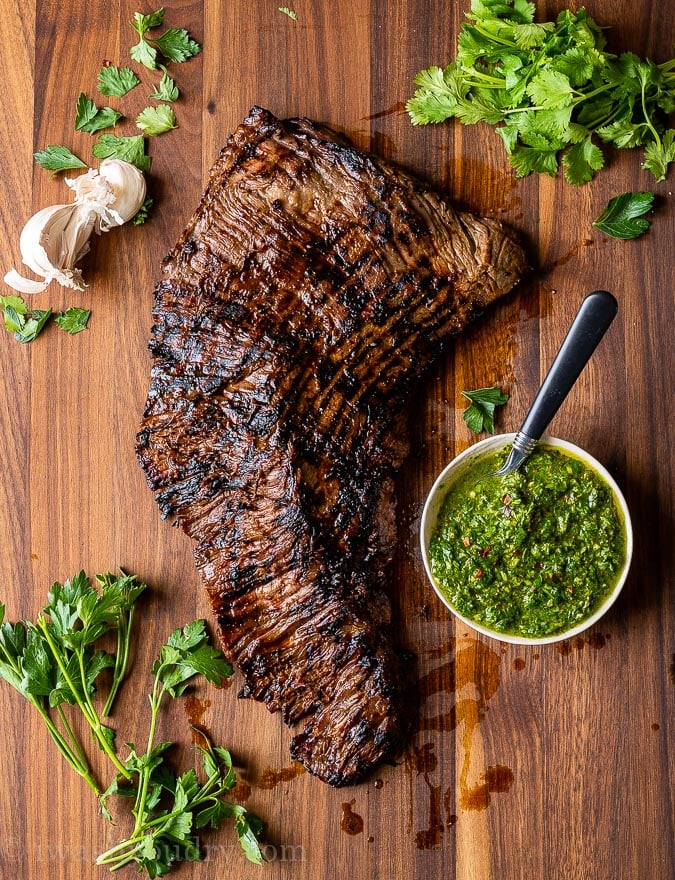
{"x": 551, "y": 90}
{"x": 57, "y": 661}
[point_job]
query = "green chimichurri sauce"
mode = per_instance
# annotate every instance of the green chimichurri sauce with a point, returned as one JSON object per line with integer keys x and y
{"x": 530, "y": 554}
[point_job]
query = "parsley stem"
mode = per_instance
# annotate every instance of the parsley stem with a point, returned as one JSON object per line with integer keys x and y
{"x": 121, "y": 657}
{"x": 89, "y": 713}
{"x": 77, "y": 760}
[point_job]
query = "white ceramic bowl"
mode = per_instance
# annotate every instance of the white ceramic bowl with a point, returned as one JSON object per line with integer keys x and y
{"x": 457, "y": 468}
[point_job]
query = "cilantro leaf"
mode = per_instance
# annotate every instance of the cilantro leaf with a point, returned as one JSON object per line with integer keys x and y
{"x": 156, "y": 120}
{"x": 479, "y": 416}
{"x": 91, "y": 118}
{"x": 658, "y": 156}
{"x": 144, "y": 54}
{"x": 116, "y": 81}
{"x": 549, "y": 87}
{"x": 143, "y": 23}
{"x": 289, "y": 12}
{"x": 167, "y": 90}
{"x": 622, "y": 218}
{"x": 14, "y": 309}
{"x": 58, "y": 158}
{"x": 73, "y": 320}
{"x": 175, "y": 44}
{"x": 129, "y": 149}
{"x": 581, "y": 162}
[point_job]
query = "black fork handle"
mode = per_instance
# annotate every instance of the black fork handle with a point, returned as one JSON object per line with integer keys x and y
{"x": 595, "y": 314}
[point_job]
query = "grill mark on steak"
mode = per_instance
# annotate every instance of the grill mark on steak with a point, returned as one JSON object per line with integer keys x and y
{"x": 311, "y": 287}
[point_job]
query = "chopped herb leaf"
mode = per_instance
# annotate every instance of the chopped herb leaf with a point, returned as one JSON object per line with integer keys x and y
{"x": 57, "y": 158}
{"x": 91, "y": 118}
{"x": 622, "y": 218}
{"x": 116, "y": 81}
{"x": 129, "y": 149}
{"x": 479, "y": 416}
{"x": 289, "y": 12}
{"x": 156, "y": 120}
{"x": 73, "y": 320}
{"x": 167, "y": 90}
{"x": 143, "y": 212}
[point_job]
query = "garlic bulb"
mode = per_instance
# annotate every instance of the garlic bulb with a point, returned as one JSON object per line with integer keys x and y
{"x": 56, "y": 238}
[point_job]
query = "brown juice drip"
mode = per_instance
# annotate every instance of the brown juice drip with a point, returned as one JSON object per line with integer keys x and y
{"x": 271, "y": 778}
{"x": 398, "y": 107}
{"x": 656, "y": 726}
{"x": 519, "y": 664}
{"x": 351, "y": 822}
{"x": 194, "y": 711}
{"x": 473, "y": 665}
{"x": 378, "y": 783}
{"x": 595, "y": 640}
{"x": 495, "y": 779}
{"x": 240, "y": 792}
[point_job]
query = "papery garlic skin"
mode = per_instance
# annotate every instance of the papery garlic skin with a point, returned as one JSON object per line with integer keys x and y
{"x": 115, "y": 192}
{"x": 57, "y": 237}
{"x": 51, "y": 243}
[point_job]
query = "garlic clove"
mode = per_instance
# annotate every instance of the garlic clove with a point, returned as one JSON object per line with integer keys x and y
{"x": 116, "y": 192}
{"x": 128, "y": 185}
{"x": 24, "y": 285}
{"x": 41, "y": 237}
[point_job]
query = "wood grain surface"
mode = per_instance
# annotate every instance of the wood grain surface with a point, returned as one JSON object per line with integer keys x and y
{"x": 545, "y": 762}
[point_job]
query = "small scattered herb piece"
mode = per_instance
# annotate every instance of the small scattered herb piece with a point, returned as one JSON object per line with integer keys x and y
{"x": 622, "y": 218}
{"x": 175, "y": 44}
{"x": 167, "y": 90}
{"x": 73, "y": 320}
{"x": 130, "y": 149}
{"x": 156, "y": 120}
{"x": 23, "y": 322}
{"x": 289, "y": 12}
{"x": 116, "y": 81}
{"x": 551, "y": 88}
{"x": 91, "y": 118}
{"x": 479, "y": 416}
{"x": 35, "y": 322}
{"x": 143, "y": 212}
{"x": 58, "y": 158}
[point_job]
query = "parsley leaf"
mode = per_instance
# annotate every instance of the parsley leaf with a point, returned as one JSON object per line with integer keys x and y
{"x": 129, "y": 149}
{"x": 479, "y": 416}
{"x": 35, "y": 322}
{"x": 91, "y": 118}
{"x": 175, "y": 44}
{"x": 622, "y": 218}
{"x": 73, "y": 320}
{"x": 23, "y": 322}
{"x": 156, "y": 120}
{"x": 116, "y": 81}
{"x": 167, "y": 90}
{"x": 549, "y": 87}
{"x": 57, "y": 158}
{"x": 289, "y": 12}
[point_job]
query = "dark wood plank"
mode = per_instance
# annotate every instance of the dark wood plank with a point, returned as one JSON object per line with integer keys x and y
{"x": 575, "y": 736}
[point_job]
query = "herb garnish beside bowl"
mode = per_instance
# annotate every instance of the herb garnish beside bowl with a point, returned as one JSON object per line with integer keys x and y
{"x": 531, "y": 558}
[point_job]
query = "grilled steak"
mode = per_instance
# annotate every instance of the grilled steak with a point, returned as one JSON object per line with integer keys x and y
{"x": 311, "y": 287}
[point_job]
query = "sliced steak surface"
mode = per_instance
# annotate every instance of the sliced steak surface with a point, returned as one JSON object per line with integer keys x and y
{"x": 311, "y": 287}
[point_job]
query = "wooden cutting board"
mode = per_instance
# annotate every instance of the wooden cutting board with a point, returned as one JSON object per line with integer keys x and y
{"x": 528, "y": 763}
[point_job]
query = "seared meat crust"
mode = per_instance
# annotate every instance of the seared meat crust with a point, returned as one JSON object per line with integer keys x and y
{"x": 311, "y": 287}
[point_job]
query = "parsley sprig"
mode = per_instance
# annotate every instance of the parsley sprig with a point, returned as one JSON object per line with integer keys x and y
{"x": 57, "y": 661}
{"x": 54, "y": 661}
{"x": 169, "y": 809}
{"x": 175, "y": 44}
{"x": 552, "y": 90}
